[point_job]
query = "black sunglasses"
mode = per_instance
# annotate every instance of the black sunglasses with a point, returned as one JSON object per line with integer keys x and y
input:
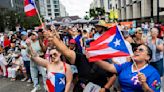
{"x": 54, "y": 54}
{"x": 139, "y": 49}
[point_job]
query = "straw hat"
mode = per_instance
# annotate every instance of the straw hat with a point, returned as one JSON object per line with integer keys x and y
{"x": 101, "y": 23}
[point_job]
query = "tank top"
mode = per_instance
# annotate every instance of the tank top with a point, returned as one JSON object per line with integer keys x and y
{"x": 56, "y": 82}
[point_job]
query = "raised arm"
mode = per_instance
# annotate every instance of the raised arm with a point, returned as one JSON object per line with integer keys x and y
{"x": 35, "y": 57}
{"x": 107, "y": 66}
{"x": 64, "y": 50}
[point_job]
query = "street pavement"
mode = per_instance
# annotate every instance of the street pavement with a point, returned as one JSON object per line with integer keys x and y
{"x": 15, "y": 86}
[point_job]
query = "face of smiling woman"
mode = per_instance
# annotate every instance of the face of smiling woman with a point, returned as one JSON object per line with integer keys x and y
{"x": 55, "y": 55}
{"x": 141, "y": 54}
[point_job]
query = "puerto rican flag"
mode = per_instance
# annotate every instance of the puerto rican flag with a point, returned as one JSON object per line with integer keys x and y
{"x": 109, "y": 45}
{"x": 29, "y": 8}
{"x": 56, "y": 82}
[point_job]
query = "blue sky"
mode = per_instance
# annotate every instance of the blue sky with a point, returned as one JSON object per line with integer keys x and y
{"x": 77, "y": 7}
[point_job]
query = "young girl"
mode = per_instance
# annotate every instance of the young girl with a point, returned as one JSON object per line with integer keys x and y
{"x": 59, "y": 75}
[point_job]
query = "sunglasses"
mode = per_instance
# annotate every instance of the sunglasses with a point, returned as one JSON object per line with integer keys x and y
{"x": 33, "y": 34}
{"x": 53, "y": 55}
{"x": 139, "y": 49}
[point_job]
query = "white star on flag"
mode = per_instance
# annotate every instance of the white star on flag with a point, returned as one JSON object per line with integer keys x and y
{"x": 117, "y": 42}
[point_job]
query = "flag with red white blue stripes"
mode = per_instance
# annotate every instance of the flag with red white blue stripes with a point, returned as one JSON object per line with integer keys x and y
{"x": 29, "y": 8}
{"x": 110, "y": 44}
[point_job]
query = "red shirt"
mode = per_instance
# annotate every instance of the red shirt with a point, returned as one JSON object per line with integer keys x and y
{"x": 6, "y": 43}
{"x": 161, "y": 34}
{"x": 45, "y": 41}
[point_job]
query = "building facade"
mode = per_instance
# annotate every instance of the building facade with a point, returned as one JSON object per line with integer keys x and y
{"x": 63, "y": 11}
{"x": 18, "y": 5}
{"x": 41, "y": 5}
{"x": 53, "y": 9}
{"x": 140, "y": 10}
{"x": 106, "y": 4}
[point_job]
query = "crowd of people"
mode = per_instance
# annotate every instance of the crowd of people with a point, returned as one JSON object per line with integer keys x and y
{"x": 57, "y": 53}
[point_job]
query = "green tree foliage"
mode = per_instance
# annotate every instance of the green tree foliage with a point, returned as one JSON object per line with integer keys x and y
{"x": 86, "y": 17}
{"x": 100, "y": 11}
{"x": 97, "y": 12}
{"x": 29, "y": 22}
{"x": 10, "y": 19}
{"x": 92, "y": 13}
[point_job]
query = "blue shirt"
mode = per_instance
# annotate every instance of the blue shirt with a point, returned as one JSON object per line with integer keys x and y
{"x": 77, "y": 39}
{"x": 129, "y": 81}
{"x": 24, "y": 52}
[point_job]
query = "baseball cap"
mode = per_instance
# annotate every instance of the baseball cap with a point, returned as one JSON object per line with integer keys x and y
{"x": 72, "y": 41}
{"x": 35, "y": 33}
{"x": 23, "y": 33}
{"x": 139, "y": 30}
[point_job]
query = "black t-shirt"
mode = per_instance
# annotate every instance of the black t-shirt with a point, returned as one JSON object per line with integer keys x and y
{"x": 90, "y": 71}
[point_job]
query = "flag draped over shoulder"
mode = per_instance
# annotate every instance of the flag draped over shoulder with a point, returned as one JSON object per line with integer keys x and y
{"x": 29, "y": 8}
{"x": 109, "y": 45}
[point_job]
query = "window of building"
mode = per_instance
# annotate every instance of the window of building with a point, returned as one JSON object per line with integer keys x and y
{"x": 116, "y": 6}
{"x": 49, "y": 14}
{"x": 49, "y": 9}
{"x": 102, "y": 3}
{"x": 48, "y": 5}
{"x": 130, "y": 1}
{"x": 56, "y": 6}
{"x": 56, "y": 2}
{"x": 57, "y": 14}
{"x": 48, "y": 1}
{"x": 109, "y": 4}
{"x": 56, "y": 10}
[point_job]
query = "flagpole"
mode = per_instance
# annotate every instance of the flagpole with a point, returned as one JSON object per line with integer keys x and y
{"x": 129, "y": 51}
{"x": 39, "y": 15}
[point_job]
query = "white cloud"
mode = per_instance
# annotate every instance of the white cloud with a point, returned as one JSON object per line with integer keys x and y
{"x": 77, "y": 7}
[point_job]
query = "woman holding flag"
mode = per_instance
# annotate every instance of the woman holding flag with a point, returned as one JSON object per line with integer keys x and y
{"x": 88, "y": 73}
{"x": 139, "y": 78}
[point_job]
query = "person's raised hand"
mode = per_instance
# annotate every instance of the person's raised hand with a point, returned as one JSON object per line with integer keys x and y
{"x": 28, "y": 42}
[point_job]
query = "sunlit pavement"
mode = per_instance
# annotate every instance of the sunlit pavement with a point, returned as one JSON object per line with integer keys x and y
{"x": 15, "y": 86}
